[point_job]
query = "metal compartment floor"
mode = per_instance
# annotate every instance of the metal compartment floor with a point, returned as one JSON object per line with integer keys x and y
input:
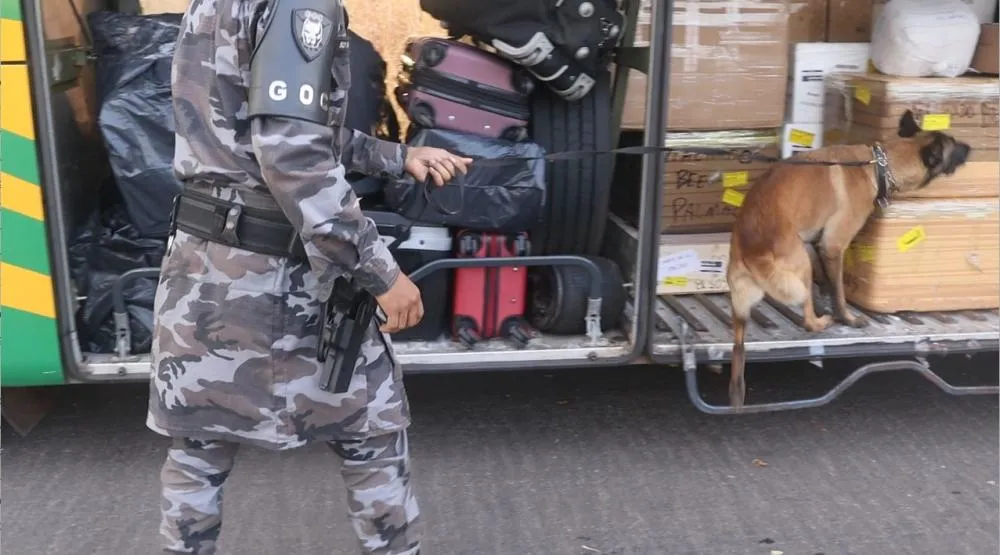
{"x": 776, "y": 333}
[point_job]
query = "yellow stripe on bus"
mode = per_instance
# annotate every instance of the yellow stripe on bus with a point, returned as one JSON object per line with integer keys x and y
{"x": 20, "y": 196}
{"x": 11, "y": 41}
{"x": 26, "y": 291}
{"x": 16, "y": 115}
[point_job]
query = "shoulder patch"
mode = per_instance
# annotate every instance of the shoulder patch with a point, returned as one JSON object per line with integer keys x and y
{"x": 311, "y": 30}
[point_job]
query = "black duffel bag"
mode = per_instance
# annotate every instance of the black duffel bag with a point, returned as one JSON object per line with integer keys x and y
{"x": 368, "y": 107}
{"x": 499, "y": 197}
{"x": 565, "y": 44}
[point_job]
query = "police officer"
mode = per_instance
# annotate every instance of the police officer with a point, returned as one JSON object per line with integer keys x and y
{"x": 265, "y": 227}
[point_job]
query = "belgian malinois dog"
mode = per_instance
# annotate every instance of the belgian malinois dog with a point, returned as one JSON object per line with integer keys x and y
{"x": 824, "y": 205}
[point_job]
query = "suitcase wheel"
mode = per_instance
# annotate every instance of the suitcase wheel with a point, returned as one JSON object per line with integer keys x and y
{"x": 517, "y": 331}
{"x": 469, "y": 244}
{"x": 465, "y": 332}
{"x": 515, "y": 134}
{"x": 523, "y": 81}
{"x": 519, "y": 245}
{"x": 423, "y": 114}
{"x": 432, "y": 53}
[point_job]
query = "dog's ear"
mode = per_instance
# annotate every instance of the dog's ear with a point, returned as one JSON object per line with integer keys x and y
{"x": 908, "y": 125}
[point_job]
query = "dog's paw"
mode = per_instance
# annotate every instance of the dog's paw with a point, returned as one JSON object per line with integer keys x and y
{"x": 819, "y": 324}
{"x": 854, "y": 321}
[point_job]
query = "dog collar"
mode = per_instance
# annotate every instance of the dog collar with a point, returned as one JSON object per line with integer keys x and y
{"x": 885, "y": 183}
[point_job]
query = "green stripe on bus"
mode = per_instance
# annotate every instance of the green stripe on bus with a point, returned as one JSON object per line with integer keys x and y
{"x": 18, "y": 156}
{"x": 33, "y": 359}
{"x": 24, "y": 242}
{"x": 10, "y": 9}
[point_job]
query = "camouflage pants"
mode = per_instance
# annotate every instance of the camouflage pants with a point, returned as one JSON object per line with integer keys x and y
{"x": 376, "y": 471}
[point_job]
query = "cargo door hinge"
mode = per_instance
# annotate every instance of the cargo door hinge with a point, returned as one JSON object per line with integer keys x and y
{"x": 64, "y": 60}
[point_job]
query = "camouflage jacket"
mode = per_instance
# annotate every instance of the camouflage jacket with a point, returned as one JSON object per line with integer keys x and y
{"x": 295, "y": 161}
{"x": 235, "y": 336}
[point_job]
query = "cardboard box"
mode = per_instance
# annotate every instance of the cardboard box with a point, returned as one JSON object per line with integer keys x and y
{"x": 807, "y": 22}
{"x": 927, "y": 255}
{"x": 849, "y": 21}
{"x": 798, "y": 137}
{"x": 692, "y": 264}
{"x": 978, "y": 178}
{"x": 987, "y": 56}
{"x": 867, "y": 108}
{"x": 150, "y": 7}
{"x": 702, "y": 192}
{"x": 728, "y": 67}
{"x": 687, "y": 263}
{"x": 811, "y": 64}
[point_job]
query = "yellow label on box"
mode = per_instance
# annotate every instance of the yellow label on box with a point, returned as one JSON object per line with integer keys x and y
{"x": 911, "y": 239}
{"x": 733, "y": 197}
{"x": 936, "y": 122}
{"x": 675, "y": 281}
{"x": 735, "y": 179}
{"x": 863, "y": 94}
{"x": 799, "y": 137}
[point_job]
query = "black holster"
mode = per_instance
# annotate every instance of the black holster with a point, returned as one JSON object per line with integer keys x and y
{"x": 346, "y": 317}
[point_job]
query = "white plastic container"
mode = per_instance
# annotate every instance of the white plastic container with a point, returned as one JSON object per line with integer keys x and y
{"x": 924, "y": 38}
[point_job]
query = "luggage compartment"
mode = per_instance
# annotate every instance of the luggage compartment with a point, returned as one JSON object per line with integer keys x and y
{"x": 74, "y": 165}
{"x": 699, "y": 324}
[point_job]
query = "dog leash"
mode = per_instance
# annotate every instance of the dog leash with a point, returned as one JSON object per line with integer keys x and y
{"x": 743, "y": 155}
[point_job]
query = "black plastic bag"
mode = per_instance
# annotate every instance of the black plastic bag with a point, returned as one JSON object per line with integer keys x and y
{"x": 106, "y": 246}
{"x": 368, "y": 107}
{"x": 136, "y": 119}
{"x": 496, "y": 197}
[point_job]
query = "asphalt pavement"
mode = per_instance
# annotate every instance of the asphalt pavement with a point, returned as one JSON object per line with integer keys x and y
{"x": 576, "y": 462}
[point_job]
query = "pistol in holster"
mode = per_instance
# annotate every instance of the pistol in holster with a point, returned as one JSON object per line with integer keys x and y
{"x": 346, "y": 317}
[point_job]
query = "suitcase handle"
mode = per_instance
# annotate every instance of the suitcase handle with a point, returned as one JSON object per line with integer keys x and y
{"x": 594, "y": 298}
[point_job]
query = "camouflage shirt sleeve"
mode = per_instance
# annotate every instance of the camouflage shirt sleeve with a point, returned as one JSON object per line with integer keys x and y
{"x": 370, "y": 156}
{"x": 300, "y": 169}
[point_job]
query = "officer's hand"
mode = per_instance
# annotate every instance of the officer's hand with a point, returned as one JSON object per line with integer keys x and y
{"x": 402, "y": 305}
{"x": 438, "y": 163}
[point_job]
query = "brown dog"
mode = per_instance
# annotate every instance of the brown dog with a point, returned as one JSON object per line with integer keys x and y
{"x": 825, "y": 205}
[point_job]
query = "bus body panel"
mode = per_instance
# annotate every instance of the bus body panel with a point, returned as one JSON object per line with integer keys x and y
{"x": 30, "y": 350}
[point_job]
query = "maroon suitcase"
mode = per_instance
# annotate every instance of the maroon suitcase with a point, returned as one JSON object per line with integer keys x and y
{"x": 459, "y": 87}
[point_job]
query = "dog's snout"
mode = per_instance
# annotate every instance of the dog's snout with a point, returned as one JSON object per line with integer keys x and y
{"x": 962, "y": 152}
{"x": 958, "y": 157}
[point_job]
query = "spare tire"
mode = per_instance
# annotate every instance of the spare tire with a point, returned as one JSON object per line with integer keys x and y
{"x": 557, "y": 297}
{"x": 578, "y": 190}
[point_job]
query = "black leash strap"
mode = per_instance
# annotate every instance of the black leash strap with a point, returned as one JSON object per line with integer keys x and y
{"x": 641, "y": 150}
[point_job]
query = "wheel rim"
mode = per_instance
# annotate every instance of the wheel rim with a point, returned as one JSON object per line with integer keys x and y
{"x": 545, "y": 296}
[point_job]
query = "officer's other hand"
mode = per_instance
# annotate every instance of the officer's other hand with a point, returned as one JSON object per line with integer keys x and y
{"x": 402, "y": 305}
{"x": 439, "y": 164}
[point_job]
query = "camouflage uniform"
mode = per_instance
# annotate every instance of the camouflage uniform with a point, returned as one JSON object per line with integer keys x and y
{"x": 236, "y": 332}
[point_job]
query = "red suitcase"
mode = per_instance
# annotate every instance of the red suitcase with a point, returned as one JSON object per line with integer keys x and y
{"x": 490, "y": 302}
{"x": 459, "y": 87}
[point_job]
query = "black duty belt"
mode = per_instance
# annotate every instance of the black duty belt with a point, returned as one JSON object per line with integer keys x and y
{"x": 253, "y": 229}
